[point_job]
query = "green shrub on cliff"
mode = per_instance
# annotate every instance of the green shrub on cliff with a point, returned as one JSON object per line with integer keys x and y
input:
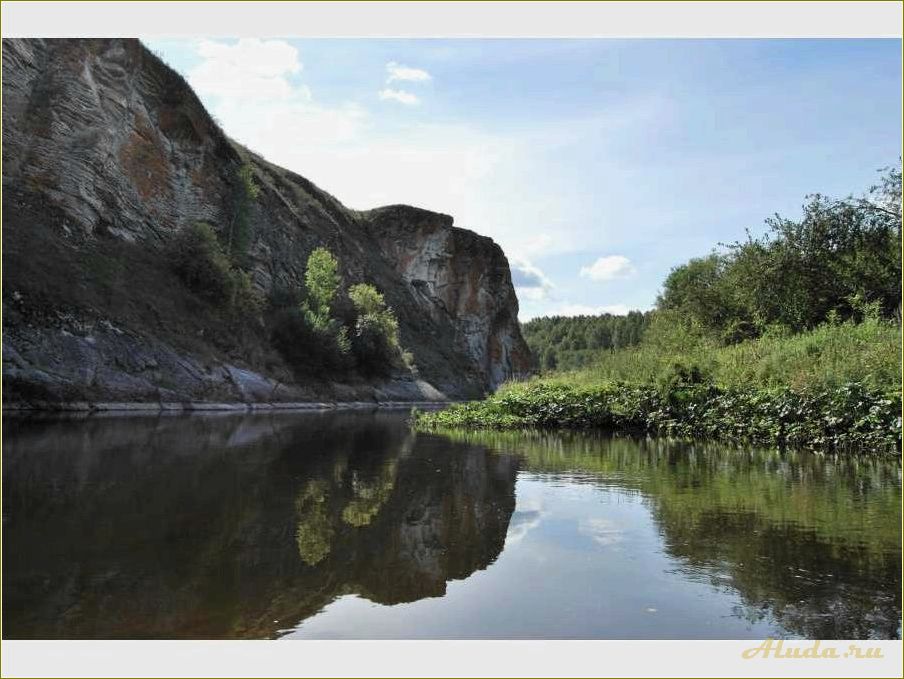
{"x": 324, "y": 330}
{"x": 375, "y": 341}
{"x": 321, "y": 281}
{"x": 306, "y": 349}
{"x": 239, "y": 234}
{"x": 305, "y": 332}
{"x": 198, "y": 258}
{"x": 200, "y": 261}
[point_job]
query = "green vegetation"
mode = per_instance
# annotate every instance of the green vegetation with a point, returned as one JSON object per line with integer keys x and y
{"x": 313, "y": 338}
{"x": 793, "y": 339}
{"x": 320, "y": 331}
{"x": 843, "y": 418}
{"x": 376, "y": 338}
{"x": 200, "y": 261}
{"x": 214, "y": 270}
{"x": 321, "y": 279}
{"x": 842, "y": 257}
{"x": 239, "y": 235}
{"x": 565, "y": 343}
{"x": 307, "y": 335}
{"x": 829, "y": 356}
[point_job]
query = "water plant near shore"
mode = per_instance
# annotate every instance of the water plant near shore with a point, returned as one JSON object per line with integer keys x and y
{"x": 847, "y": 417}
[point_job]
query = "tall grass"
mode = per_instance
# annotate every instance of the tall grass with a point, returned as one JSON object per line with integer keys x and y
{"x": 826, "y": 357}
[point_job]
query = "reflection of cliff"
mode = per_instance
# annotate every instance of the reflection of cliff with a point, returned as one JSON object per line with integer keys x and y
{"x": 228, "y": 527}
{"x": 811, "y": 541}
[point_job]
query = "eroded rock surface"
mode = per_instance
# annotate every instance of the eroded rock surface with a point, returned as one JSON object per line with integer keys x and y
{"x": 107, "y": 153}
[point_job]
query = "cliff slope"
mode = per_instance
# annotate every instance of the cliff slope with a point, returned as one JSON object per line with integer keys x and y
{"x": 107, "y": 154}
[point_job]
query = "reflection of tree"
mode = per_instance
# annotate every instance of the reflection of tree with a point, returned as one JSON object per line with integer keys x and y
{"x": 811, "y": 541}
{"x": 370, "y": 495}
{"x": 314, "y": 529}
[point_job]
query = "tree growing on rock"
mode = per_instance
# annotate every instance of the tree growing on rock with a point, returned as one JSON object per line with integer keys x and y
{"x": 376, "y": 338}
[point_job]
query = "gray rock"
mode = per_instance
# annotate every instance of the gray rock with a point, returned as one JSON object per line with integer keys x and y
{"x": 107, "y": 153}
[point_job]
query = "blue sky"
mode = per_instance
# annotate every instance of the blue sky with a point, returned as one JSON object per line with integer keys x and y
{"x": 598, "y": 165}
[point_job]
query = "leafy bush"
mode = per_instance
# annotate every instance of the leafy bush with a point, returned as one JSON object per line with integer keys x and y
{"x": 198, "y": 258}
{"x": 375, "y": 342}
{"x": 311, "y": 330}
{"x": 304, "y": 331}
{"x": 309, "y": 351}
{"x": 321, "y": 280}
{"x": 840, "y": 255}
{"x": 846, "y": 417}
{"x": 680, "y": 375}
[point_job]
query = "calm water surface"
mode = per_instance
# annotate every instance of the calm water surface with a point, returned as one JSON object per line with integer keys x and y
{"x": 348, "y": 525}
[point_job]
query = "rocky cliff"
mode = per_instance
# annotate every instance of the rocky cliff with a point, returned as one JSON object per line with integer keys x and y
{"x": 107, "y": 154}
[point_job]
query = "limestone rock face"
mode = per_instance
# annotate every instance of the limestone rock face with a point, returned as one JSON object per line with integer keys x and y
{"x": 461, "y": 281}
{"x": 107, "y": 153}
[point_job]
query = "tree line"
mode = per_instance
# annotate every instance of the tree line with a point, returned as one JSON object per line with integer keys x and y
{"x": 569, "y": 342}
{"x": 841, "y": 261}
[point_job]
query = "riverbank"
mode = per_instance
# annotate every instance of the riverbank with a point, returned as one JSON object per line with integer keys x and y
{"x": 847, "y": 417}
{"x": 204, "y": 407}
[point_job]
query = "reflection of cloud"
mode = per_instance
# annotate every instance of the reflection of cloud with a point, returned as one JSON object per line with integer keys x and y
{"x": 522, "y": 522}
{"x": 602, "y": 531}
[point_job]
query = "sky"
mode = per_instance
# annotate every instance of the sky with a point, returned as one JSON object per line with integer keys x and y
{"x": 598, "y": 165}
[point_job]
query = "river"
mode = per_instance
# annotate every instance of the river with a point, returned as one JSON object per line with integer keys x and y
{"x": 349, "y": 525}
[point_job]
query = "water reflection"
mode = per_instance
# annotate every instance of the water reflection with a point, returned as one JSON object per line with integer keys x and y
{"x": 809, "y": 542}
{"x": 221, "y": 527}
{"x": 350, "y": 525}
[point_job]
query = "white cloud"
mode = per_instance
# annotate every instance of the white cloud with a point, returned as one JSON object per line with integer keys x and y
{"x": 531, "y": 294}
{"x": 529, "y": 281}
{"x": 280, "y": 132}
{"x": 367, "y": 157}
{"x": 250, "y": 68}
{"x": 608, "y": 268}
{"x": 400, "y": 96}
{"x": 399, "y": 72}
{"x": 247, "y": 85}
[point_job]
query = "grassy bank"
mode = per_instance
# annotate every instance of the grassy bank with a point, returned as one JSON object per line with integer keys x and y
{"x": 827, "y": 357}
{"x": 834, "y": 388}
